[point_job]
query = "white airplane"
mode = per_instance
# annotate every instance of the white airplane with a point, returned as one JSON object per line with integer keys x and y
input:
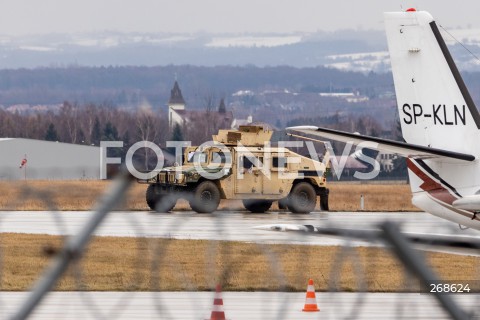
{"x": 440, "y": 122}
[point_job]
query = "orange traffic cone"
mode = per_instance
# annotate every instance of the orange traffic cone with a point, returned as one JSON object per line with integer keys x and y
{"x": 310, "y": 300}
{"x": 217, "y": 311}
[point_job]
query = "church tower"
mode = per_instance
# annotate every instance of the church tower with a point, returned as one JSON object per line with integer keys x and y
{"x": 175, "y": 104}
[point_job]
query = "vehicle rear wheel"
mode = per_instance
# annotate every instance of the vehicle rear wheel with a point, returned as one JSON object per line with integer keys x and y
{"x": 302, "y": 198}
{"x": 205, "y": 198}
{"x": 257, "y": 206}
{"x": 160, "y": 202}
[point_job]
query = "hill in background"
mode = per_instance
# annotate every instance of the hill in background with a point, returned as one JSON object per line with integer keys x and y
{"x": 355, "y": 50}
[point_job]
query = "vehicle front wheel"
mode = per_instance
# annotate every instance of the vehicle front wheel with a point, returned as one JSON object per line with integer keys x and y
{"x": 324, "y": 200}
{"x": 205, "y": 198}
{"x": 283, "y": 203}
{"x": 302, "y": 198}
{"x": 160, "y": 202}
{"x": 257, "y": 206}
{"x": 152, "y": 197}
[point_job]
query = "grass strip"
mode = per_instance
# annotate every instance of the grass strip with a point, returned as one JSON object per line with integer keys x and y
{"x": 81, "y": 195}
{"x": 152, "y": 264}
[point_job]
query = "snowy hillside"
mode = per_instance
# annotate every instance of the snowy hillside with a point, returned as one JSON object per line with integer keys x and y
{"x": 363, "y": 51}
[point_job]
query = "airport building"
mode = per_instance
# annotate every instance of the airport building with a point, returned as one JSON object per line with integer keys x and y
{"x": 45, "y": 160}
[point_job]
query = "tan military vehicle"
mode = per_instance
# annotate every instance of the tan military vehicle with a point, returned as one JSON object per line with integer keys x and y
{"x": 240, "y": 164}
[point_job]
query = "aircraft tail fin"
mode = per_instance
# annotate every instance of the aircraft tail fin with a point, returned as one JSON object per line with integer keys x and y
{"x": 435, "y": 107}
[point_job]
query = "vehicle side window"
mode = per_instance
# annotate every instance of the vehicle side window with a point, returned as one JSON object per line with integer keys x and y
{"x": 250, "y": 162}
{"x": 247, "y": 164}
{"x": 279, "y": 162}
{"x": 198, "y": 157}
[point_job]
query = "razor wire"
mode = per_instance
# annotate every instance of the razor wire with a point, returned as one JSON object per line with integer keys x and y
{"x": 348, "y": 305}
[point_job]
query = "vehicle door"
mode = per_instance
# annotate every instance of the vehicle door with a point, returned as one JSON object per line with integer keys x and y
{"x": 248, "y": 178}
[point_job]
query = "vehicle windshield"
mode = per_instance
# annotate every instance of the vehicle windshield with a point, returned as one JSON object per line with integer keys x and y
{"x": 198, "y": 157}
{"x": 219, "y": 157}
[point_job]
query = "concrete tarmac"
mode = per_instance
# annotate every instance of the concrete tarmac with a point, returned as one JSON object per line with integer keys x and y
{"x": 236, "y": 305}
{"x": 237, "y": 226}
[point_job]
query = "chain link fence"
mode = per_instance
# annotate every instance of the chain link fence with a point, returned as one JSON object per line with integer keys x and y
{"x": 90, "y": 271}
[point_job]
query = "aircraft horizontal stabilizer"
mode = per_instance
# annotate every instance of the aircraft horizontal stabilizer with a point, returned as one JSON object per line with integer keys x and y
{"x": 471, "y": 203}
{"x": 401, "y": 148}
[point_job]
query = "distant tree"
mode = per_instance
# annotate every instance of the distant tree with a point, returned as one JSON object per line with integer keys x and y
{"x": 69, "y": 121}
{"x": 147, "y": 125}
{"x": 209, "y": 103}
{"x": 399, "y": 167}
{"x": 51, "y": 134}
{"x": 96, "y": 133}
{"x": 360, "y": 125}
{"x": 147, "y": 129}
{"x": 126, "y": 138}
{"x": 110, "y": 132}
{"x": 177, "y": 134}
{"x": 221, "y": 107}
{"x": 81, "y": 136}
{"x": 399, "y": 163}
{"x": 126, "y": 143}
{"x": 87, "y": 121}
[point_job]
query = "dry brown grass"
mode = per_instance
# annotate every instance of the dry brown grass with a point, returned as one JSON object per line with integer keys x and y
{"x": 169, "y": 265}
{"x": 44, "y": 195}
{"x": 377, "y": 197}
{"x": 81, "y": 195}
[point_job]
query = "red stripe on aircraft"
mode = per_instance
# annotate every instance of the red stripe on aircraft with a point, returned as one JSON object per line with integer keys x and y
{"x": 429, "y": 185}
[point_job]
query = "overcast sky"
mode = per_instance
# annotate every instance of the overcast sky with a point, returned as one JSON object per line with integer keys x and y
{"x": 20, "y": 17}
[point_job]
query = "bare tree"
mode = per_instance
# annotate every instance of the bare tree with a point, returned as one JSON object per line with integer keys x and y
{"x": 209, "y": 103}
{"x": 147, "y": 128}
{"x": 68, "y": 119}
{"x": 87, "y": 121}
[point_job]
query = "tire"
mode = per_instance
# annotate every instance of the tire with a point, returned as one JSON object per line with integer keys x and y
{"x": 283, "y": 203}
{"x": 324, "y": 200}
{"x": 302, "y": 198}
{"x": 152, "y": 197}
{"x": 160, "y": 203}
{"x": 205, "y": 197}
{"x": 257, "y": 206}
{"x": 166, "y": 203}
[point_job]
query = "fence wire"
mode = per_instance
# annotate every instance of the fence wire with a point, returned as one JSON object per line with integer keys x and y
{"x": 346, "y": 286}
